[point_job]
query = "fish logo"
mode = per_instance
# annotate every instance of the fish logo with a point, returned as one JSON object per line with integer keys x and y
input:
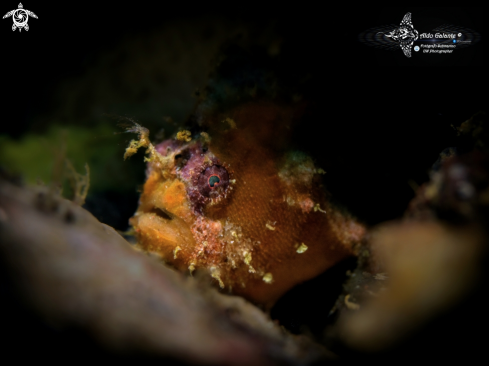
{"x": 405, "y": 34}
{"x": 20, "y": 17}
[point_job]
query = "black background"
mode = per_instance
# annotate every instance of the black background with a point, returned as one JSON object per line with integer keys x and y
{"x": 60, "y": 42}
{"x": 384, "y": 117}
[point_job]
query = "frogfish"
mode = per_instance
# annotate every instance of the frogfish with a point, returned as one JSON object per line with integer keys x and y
{"x": 232, "y": 200}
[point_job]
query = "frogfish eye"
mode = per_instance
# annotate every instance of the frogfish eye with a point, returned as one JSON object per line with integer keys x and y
{"x": 213, "y": 182}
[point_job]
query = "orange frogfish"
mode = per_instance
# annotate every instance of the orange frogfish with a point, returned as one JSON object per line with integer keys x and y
{"x": 235, "y": 202}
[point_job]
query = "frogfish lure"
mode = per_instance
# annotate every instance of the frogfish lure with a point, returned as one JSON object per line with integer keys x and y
{"x": 234, "y": 202}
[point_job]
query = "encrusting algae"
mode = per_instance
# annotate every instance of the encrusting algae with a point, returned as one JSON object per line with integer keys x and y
{"x": 231, "y": 201}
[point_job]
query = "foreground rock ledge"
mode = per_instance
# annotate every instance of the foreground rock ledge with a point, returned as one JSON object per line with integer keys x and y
{"x": 77, "y": 272}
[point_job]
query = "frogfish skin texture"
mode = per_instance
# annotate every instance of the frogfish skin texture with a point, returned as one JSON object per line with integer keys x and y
{"x": 235, "y": 202}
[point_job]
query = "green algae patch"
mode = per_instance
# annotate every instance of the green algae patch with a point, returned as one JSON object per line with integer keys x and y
{"x": 34, "y": 156}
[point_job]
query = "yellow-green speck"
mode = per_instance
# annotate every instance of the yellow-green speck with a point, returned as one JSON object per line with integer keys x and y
{"x": 302, "y": 248}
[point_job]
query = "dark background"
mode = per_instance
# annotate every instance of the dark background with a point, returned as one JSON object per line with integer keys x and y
{"x": 383, "y": 117}
{"x": 379, "y": 119}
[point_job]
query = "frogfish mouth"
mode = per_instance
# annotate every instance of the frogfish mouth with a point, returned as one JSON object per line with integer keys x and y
{"x": 234, "y": 202}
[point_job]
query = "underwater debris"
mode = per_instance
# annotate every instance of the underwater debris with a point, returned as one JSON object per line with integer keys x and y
{"x": 269, "y": 226}
{"x": 247, "y": 260}
{"x": 231, "y": 122}
{"x": 79, "y": 182}
{"x": 302, "y": 248}
{"x": 184, "y": 136}
{"x": 175, "y": 252}
{"x": 143, "y": 140}
{"x": 268, "y": 278}
{"x": 318, "y": 208}
{"x": 476, "y": 129}
{"x": 351, "y": 305}
{"x": 206, "y": 138}
{"x": 216, "y": 275}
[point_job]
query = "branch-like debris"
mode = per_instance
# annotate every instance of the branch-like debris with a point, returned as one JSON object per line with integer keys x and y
{"x": 79, "y": 182}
